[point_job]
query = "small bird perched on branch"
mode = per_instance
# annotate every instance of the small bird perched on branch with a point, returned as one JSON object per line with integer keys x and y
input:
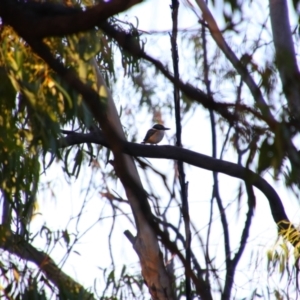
{"x": 155, "y": 134}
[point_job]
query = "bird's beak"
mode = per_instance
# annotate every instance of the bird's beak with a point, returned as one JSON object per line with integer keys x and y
{"x": 166, "y": 128}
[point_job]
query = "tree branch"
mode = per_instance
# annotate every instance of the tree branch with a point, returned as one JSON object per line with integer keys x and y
{"x": 242, "y": 70}
{"x": 216, "y": 193}
{"x": 197, "y": 160}
{"x": 129, "y": 44}
{"x": 182, "y": 182}
{"x": 39, "y": 20}
{"x": 285, "y": 54}
{"x": 254, "y": 89}
{"x": 233, "y": 262}
{"x": 16, "y": 244}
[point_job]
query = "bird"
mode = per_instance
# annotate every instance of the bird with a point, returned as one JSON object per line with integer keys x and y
{"x": 155, "y": 134}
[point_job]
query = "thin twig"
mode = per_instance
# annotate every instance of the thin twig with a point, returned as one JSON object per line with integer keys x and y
{"x": 233, "y": 262}
{"x": 216, "y": 193}
{"x": 183, "y": 184}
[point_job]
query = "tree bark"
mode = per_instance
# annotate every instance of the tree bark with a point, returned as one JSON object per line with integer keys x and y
{"x": 17, "y": 245}
{"x": 285, "y": 55}
{"x": 146, "y": 243}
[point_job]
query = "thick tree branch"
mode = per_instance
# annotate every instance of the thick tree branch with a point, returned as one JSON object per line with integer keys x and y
{"x": 16, "y": 244}
{"x": 197, "y": 160}
{"x": 285, "y": 54}
{"x": 39, "y": 20}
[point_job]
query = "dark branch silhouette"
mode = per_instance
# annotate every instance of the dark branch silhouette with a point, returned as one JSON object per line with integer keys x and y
{"x": 39, "y": 20}
{"x": 17, "y": 245}
{"x": 181, "y": 173}
{"x": 197, "y": 160}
